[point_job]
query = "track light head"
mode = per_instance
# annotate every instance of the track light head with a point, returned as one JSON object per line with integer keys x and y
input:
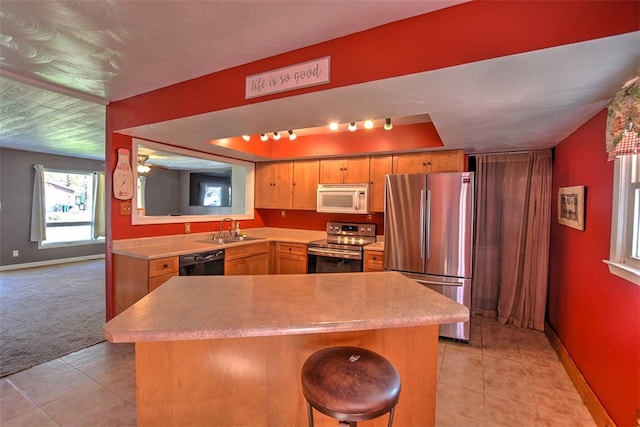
{"x": 276, "y": 136}
{"x": 352, "y": 126}
{"x": 292, "y": 135}
{"x": 246, "y": 137}
{"x": 387, "y": 124}
{"x": 263, "y": 137}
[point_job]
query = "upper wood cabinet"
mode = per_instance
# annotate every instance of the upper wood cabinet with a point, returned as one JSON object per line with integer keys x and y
{"x": 351, "y": 170}
{"x": 274, "y": 181}
{"x": 429, "y": 162}
{"x": 379, "y": 167}
{"x": 305, "y": 184}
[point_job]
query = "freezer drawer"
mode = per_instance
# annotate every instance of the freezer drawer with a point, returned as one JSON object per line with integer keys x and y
{"x": 458, "y": 290}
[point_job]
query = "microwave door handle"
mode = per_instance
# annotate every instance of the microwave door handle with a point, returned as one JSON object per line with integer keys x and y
{"x": 422, "y": 213}
{"x": 357, "y": 200}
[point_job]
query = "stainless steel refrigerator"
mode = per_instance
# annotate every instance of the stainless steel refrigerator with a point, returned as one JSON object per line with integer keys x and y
{"x": 428, "y": 234}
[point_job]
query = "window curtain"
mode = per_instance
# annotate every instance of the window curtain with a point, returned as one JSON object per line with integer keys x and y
{"x": 99, "y": 205}
{"x": 623, "y": 122}
{"x": 512, "y": 237}
{"x": 38, "y": 207}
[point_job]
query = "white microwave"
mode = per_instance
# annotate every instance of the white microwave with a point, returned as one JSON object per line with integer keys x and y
{"x": 343, "y": 198}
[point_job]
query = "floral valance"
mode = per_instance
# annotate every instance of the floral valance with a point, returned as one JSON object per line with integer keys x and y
{"x": 623, "y": 123}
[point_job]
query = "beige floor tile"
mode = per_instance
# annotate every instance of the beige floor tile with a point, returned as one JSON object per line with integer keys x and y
{"x": 464, "y": 402}
{"x": 116, "y": 373}
{"x": 460, "y": 377}
{"x": 506, "y": 379}
{"x": 33, "y": 418}
{"x": 78, "y": 402}
{"x": 451, "y": 418}
{"x": 114, "y": 413}
{"x": 89, "y": 355}
{"x": 12, "y": 402}
{"x": 43, "y": 383}
{"x": 503, "y": 412}
{"x": 463, "y": 357}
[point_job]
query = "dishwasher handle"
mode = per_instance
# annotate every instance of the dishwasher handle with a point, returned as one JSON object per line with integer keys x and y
{"x": 203, "y": 257}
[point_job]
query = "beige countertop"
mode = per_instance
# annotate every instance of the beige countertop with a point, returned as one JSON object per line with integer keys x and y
{"x": 377, "y": 246}
{"x": 165, "y": 246}
{"x": 213, "y": 307}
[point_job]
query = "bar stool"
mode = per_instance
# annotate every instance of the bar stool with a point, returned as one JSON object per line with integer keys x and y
{"x": 350, "y": 384}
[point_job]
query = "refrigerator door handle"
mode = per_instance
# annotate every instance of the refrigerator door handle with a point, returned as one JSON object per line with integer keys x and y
{"x": 428, "y": 224}
{"x": 422, "y": 224}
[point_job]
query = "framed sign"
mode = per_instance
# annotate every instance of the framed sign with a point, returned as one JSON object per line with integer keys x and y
{"x": 310, "y": 73}
{"x": 571, "y": 206}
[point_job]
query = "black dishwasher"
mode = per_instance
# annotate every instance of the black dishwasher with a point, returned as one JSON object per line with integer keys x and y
{"x": 202, "y": 264}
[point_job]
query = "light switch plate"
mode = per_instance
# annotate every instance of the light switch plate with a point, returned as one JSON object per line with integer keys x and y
{"x": 187, "y": 227}
{"x": 125, "y": 208}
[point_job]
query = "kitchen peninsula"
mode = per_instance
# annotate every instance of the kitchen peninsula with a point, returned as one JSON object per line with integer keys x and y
{"x": 227, "y": 350}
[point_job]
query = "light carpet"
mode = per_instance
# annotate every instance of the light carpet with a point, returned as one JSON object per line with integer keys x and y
{"x": 48, "y": 312}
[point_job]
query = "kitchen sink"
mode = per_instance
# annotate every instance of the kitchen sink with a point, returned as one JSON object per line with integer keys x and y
{"x": 224, "y": 240}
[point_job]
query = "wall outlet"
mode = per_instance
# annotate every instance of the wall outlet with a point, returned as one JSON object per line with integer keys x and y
{"x": 125, "y": 208}
{"x": 187, "y": 227}
{"x": 16, "y": 253}
{"x": 283, "y": 214}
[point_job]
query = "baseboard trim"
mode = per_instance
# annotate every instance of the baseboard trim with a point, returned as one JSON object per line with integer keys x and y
{"x": 591, "y": 401}
{"x": 50, "y": 262}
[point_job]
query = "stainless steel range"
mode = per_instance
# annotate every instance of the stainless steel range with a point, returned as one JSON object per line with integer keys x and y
{"x": 342, "y": 250}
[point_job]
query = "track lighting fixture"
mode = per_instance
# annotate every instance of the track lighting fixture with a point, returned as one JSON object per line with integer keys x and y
{"x": 387, "y": 124}
{"x": 276, "y": 136}
{"x": 292, "y": 135}
{"x": 352, "y": 126}
{"x": 246, "y": 137}
{"x": 263, "y": 137}
{"x": 368, "y": 124}
{"x": 333, "y": 126}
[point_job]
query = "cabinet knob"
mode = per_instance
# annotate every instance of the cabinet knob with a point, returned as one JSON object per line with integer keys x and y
{"x": 165, "y": 265}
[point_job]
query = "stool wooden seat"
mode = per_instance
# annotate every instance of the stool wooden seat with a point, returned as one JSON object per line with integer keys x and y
{"x": 350, "y": 384}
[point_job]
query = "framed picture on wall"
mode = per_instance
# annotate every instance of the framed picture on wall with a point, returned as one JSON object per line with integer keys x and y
{"x": 571, "y": 206}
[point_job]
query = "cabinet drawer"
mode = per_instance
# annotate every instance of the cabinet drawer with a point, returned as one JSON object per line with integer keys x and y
{"x": 373, "y": 261}
{"x": 292, "y": 248}
{"x": 163, "y": 266}
{"x": 246, "y": 250}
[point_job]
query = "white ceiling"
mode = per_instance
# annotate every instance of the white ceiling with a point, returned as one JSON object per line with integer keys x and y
{"x": 61, "y": 62}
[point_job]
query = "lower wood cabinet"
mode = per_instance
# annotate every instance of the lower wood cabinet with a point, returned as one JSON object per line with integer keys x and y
{"x": 373, "y": 261}
{"x": 136, "y": 277}
{"x": 247, "y": 259}
{"x": 291, "y": 258}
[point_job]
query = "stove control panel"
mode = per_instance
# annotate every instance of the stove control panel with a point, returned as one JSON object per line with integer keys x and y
{"x": 351, "y": 229}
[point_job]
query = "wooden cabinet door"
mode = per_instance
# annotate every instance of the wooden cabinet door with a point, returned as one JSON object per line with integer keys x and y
{"x": 412, "y": 163}
{"x": 373, "y": 261}
{"x": 258, "y": 264}
{"x": 236, "y": 267}
{"x": 352, "y": 170}
{"x": 447, "y": 161}
{"x": 273, "y": 185}
{"x": 379, "y": 167}
{"x": 264, "y": 191}
{"x": 331, "y": 171}
{"x": 291, "y": 258}
{"x": 356, "y": 170}
{"x": 305, "y": 184}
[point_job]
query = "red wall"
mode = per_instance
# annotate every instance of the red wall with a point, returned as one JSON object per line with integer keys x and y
{"x": 595, "y": 314}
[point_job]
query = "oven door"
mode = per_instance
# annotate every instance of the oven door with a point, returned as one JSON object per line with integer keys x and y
{"x": 322, "y": 260}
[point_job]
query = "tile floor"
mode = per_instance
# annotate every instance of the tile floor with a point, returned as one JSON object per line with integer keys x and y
{"x": 505, "y": 376}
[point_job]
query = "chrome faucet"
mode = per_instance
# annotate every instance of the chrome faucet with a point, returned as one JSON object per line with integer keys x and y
{"x": 231, "y": 227}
